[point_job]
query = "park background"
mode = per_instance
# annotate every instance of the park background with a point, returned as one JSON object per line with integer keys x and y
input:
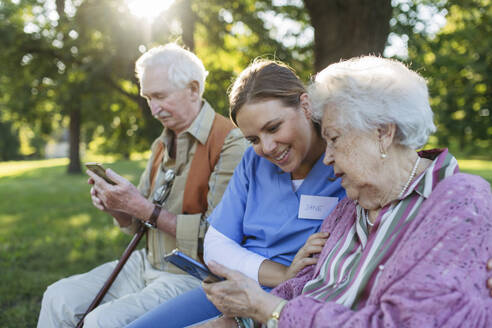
{"x": 68, "y": 94}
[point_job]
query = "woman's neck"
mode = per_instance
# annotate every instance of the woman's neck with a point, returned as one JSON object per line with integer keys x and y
{"x": 316, "y": 149}
{"x": 400, "y": 186}
{"x": 401, "y": 168}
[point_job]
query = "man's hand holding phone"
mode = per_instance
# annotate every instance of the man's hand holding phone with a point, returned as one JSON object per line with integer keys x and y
{"x": 98, "y": 169}
{"x": 116, "y": 195}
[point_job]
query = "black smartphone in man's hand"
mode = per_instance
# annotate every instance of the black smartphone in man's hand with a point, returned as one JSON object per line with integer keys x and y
{"x": 99, "y": 170}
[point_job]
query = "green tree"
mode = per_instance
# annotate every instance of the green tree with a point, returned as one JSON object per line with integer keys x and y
{"x": 70, "y": 67}
{"x": 458, "y": 66}
{"x": 25, "y": 91}
{"x": 78, "y": 66}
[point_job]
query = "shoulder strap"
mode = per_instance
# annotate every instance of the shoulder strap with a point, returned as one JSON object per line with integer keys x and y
{"x": 159, "y": 155}
{"x": 203, "y": 163}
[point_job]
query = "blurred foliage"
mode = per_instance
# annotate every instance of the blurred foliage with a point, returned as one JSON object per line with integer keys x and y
{"x": 80, "y": 56}
{"x": 60, "y": 57}
{"x": 457, "y": 63}
{"x": 230, "y": 34}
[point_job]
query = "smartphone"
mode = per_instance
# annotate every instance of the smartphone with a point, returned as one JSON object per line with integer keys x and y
{"x": 192, "y": 266}
{"x": 99, "y": 170}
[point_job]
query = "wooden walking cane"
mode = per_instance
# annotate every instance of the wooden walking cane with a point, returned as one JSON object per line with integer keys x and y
{"x": 126, "y": 254}
{"x": 159, "y": 197}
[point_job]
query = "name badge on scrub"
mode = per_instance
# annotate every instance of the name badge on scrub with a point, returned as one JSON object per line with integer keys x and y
{"x": 316, "y": 207}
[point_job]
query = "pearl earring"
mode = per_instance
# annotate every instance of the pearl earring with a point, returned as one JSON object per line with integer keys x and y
{"x": 381, "y": 150}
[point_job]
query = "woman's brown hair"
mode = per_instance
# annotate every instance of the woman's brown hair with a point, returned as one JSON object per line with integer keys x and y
{"x": 262, "y": 80}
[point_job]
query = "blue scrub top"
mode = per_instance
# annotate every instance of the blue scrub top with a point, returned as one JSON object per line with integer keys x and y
{"x": 259, "y": 209}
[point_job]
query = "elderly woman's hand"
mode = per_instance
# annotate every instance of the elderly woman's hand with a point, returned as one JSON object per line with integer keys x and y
{"x": 303, "y": 258}
{"x": 489, "y": 281}
{"x": 123, "y": 197}
{"x": 239, "y": 295}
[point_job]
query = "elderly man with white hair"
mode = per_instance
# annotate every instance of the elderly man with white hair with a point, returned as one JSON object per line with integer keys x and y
{"x": 202, "y": 149}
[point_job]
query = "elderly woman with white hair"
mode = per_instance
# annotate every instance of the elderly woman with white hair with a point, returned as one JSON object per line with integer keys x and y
{"x": 409, "y": 244}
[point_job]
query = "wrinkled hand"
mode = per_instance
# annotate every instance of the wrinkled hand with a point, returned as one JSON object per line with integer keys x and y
{"x": 303, "y": 258}
{"x": 123, "y": 197}
{"x": 96, "y": 201}
{"x": 239, "y": 295}
{"x": 489, "y": 281}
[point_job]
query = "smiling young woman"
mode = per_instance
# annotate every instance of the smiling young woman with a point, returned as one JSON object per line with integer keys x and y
{"x": 283, "y": 135}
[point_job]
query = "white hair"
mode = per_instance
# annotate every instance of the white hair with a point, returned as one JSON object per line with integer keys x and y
{"x": 182, "y": 65}
{"x": 369, "y": 91}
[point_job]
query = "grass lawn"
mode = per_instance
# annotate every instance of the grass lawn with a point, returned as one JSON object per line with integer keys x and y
{"x": 49, "y": 230}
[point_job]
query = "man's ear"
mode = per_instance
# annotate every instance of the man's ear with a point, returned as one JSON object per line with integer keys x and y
{"x": 386, "y": 135}
{"x": 194, "y": 90}
{"x": 305, "y": 105}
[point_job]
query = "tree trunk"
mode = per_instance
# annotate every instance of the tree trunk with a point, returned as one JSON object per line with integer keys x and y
{"x": 60, "y": 8}
{"x": 74, "y": 127}
{"x": 74, "y": 142}
{"x": 187, "y": 19}
{"x": 348, "y": 28}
